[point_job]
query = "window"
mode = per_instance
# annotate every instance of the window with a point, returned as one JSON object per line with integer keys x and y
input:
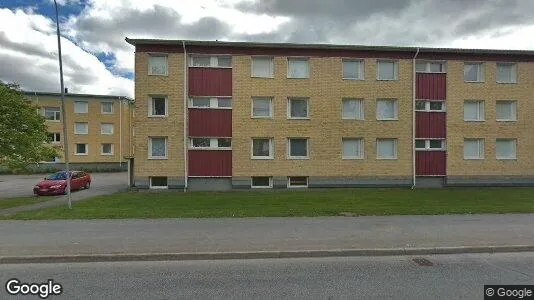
{"x": 259, "y": 182}
{"x": 221, "y": 61}
{"x": 298, "y": 148}
{"x": 506, "y": 73}
{"x": 81, "y": 107}
{"x": 298, "y": 108}
{"x": 386, "y": 109}
{"x": 430, "y": 67}
{"x": 157, "y": 107}
{"x": 474, "y": 72}
{"x": 506, "y": 110}
{"x": 107, "y": 149}
{"x": 386, "y": 70}
{"x": 353, "y": 148}
{"x": 157, "y": 147}
{"x": 157, "y": 65}
{"x": 473, "y": 148}
{"x": 81, "y": 149}
{"x": 262, "y": 67}
{"x": 262, "y": 148}
{"x": 54, "y": 137}
{"x": 206, "y": 102}
{"x": 421, "y": 105}
{"x": 505, "y": 148}
{"x": 52, "y": 113}
{"x": 107, "y": 107}
{"x": 298, "y": 68}
{"x": 106, "y": 128}
{"x": 297, "y": 181}
{"x": 211, "y": 143}
{"x": 353, "y": 69}
{"x": 81, "y": 128}
{"x": 473, "y": 110}
{"x": 352, "y": 109}
{"x": 430, "y": 144}
{"x": 159, "y": 182}
{"x": 262, "y": 107}
{"x": 386, "y": 148}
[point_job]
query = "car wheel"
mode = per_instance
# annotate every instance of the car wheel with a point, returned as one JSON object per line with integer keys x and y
{"x": 87, "y": 185}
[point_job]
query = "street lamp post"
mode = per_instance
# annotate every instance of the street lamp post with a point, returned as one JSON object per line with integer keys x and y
{"x": 63, "y": 112}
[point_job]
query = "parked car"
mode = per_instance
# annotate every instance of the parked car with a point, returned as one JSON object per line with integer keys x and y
{"x": 56, "y": 184}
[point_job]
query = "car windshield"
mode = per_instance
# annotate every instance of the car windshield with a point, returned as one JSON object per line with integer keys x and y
{"x": 57, "y": 176}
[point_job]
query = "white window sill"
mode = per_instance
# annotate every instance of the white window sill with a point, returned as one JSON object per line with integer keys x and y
{"x": 108, "y": 113}
{"x": 352, "y": 158}
{"x": 106, "y": 133}
{"x": 297, "y": 186}
{"x": 106, "y": 154}
{"x": 76, "y": 133}
{"x": 262, "y": 157}
{"x": 506, "y": 158}
{"x": 380, "y": 79}
{"x": 158, "y": 116}
{"x": 55, "y": 121}
{"x": 395, "y": 119}
{"x": 466, "y": 81}
{"x": 270, "y": 77}
{"x": 506, "y": 120}
{"x": 474, "y": 120}
{"x": 158, "y": 158}
{"x": 159, "y": 187}
{"x": 164, "y": 75}
{"x": 499, "y": 82}
{"x": 473, "y": 158}
{"x": 81, "y": 154}
{"x": 261, "y": 117}
{"x": 81, "y": 113}
{"x": 261, "y": 187}
{"x": 352, "y": 119}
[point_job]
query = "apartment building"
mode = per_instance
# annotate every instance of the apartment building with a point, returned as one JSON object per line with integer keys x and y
{"x": 223, "y": 115}
{"x": 99, "y": 128}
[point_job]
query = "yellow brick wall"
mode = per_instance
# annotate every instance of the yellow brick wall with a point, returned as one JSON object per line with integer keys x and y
{"x": 172, "y": 126}
{"x": 490, "y": 129}
{"x": 121, "y": 133}
{"x": 325, "y": 129}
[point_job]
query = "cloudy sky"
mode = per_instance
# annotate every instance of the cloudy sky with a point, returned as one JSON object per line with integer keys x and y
{"x": 97, "y": 60}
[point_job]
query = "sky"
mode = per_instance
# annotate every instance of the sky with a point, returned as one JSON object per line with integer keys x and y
{"x": 97, "y": 60}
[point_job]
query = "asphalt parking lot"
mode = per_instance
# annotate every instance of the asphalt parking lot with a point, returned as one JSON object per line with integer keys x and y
{"x": 102, "y": 184}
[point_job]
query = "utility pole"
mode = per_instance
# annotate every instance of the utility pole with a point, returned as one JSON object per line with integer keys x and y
{"x": 63, "y": 111}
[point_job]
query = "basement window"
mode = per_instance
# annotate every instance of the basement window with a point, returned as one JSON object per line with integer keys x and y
{"x": 261, "y": 182}
{"x": 159, "y": 182}
{"x": 297, "y": 182}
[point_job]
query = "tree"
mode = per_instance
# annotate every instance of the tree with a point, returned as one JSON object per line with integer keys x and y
{"x": 23, "y": 133}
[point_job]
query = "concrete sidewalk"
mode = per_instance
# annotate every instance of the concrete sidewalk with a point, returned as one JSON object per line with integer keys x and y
{"x": 87, "y": 240}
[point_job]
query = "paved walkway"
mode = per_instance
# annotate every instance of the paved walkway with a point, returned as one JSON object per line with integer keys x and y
{"x": 84, "y": 237}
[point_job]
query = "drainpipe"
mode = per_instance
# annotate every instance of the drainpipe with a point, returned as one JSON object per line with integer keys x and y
{"x": 120, "y": 131}
{"x": 413, "y": 116}
{"x": 185, "y": 118}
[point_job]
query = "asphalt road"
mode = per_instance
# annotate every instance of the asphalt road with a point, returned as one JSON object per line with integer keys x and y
{"x": 450, "y": 277}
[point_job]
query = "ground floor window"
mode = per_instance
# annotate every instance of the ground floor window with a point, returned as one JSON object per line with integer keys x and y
{"x": 159, "y": 182}
{"x": 297, "y": 181}
{"x": 262, "y": 182}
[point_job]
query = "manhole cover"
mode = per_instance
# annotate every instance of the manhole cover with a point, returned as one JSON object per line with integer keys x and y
{"x": 423, "y": 262}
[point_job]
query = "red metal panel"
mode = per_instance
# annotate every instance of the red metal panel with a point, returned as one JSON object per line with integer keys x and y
{"x": 210, "y": 122}
{"x": 430, "y": 162}
{"x": 210, "y": 163}
{"x": 431, "y": 86}
{"x": 430, "y": 124}
{"x": 210, "y": 82}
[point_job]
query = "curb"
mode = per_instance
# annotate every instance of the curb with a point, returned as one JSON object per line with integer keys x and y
{"x": 260, "y": 254}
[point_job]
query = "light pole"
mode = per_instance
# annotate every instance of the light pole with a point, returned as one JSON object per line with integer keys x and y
{"x": 63, "y": 112}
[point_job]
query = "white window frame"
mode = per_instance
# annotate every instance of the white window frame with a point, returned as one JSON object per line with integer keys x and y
{"x": 151, "y": 106}
{"x": 80, "y": 153}
{"x": 395, "y": 109}
{"x": 271, "y": 107}
{"x": 56, "y": 111}
{"x": 214, "y": 143}
{"x": 514, "y": 141}
{"x": 307, "y": 108}
{"x": 102, "y": 132}
{"x": 301, "y": 58}
{"x": 102, "y": 149}
{"x": 289, "y": 156}
{"x": 481, "y": 148}
{"x": 395, "y": 147}
{"x": 427, "y": 145}
{"x": 102, "y": 107}
{"x": 81, "y": 133}
{"x": 271, "y": 62}
{"x": 427, "y": 106}
{"x": 362, "y": 108}
{"x": 150, "y": 64}
{"x": 271, "y": 148}
{"x": 361, "y": 70}
{"x": 481, "y": 110}
{"x": 214, "y": 60}
{"x": 428, "y": 63}
{"x": 252, "y": 186}
{"x": 297, "y": 186}
{"x": 86, "y": 104}
{"x": 166, "y": 139}
{"x": 514, "y": 68}
{"x": 362, "y": 146}
{"x": 55, "y": 139}
{"x": 158, "y": 187}
{"x": 214, "y": 102}
{"x": 481, "y": 72}
{"x": 395, "y": 69}
{"x": 513, "y": 109}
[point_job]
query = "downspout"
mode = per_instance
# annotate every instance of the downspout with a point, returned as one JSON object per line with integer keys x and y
{"x": 185, "y": 118}
{"x": 414, "y": 87}
{"x": 120, "y": 131}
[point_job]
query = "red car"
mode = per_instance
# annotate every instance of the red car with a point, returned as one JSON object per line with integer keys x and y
{"x": 56, "y": 184}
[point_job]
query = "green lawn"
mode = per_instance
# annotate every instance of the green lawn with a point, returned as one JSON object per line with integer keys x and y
{"x": 12, "y": 202}
{"x": 294, "y": 203}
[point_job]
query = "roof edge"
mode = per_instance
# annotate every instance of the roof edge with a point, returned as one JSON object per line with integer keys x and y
{"x": 114, "y": 97}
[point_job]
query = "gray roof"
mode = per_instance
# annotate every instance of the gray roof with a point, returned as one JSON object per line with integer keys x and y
{"x": 71, "y": 95}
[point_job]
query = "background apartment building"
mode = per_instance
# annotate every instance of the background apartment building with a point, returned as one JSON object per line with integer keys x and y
{"x": 99, "y": 129}
{"x": 220, "y": 115}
